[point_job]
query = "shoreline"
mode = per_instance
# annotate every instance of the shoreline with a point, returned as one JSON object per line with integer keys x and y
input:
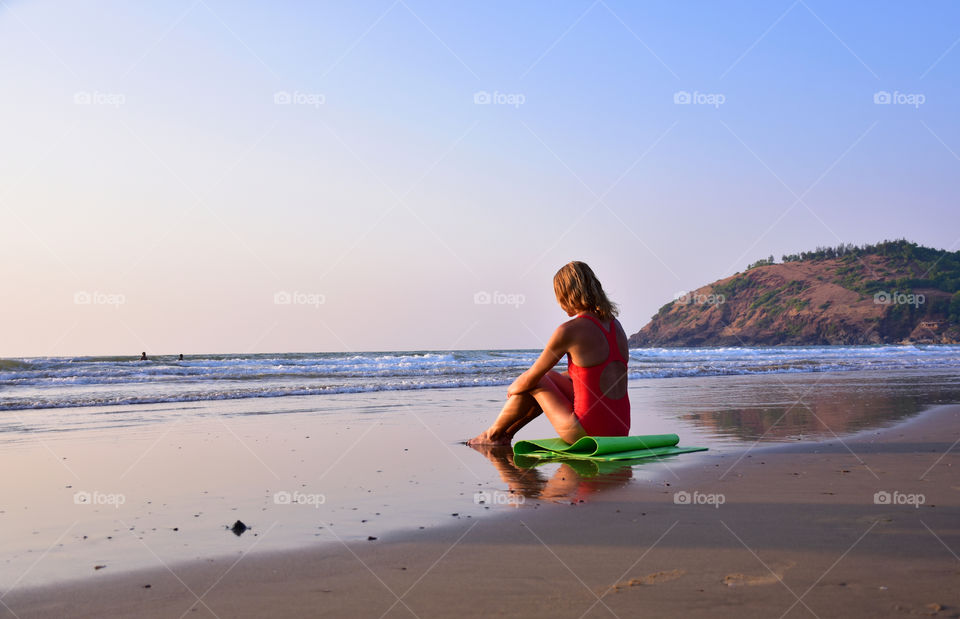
{"x": 50, "y": 384}
{"x": 796, "y": 521}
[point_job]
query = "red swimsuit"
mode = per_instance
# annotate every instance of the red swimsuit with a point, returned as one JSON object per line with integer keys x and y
{"x": 598, "y": 414}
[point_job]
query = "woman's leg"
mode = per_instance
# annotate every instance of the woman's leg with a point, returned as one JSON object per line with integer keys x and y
{"x": 518, "y": 411}
{"x": 554, "y": 395}
{"x": 533, "y": 410}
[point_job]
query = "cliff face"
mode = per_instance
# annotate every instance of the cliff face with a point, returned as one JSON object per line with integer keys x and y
{"x": 853, "y": 299}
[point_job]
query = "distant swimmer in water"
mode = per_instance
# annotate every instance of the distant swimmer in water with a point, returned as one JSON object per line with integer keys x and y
{"x": 143, "y": 356}
{"x": 181, "y": 357}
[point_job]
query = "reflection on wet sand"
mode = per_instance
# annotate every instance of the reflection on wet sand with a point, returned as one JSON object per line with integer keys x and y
{"x": 781, "y": 407}
{"x": 572, "y": 482}
{"x": 813, "y": 417}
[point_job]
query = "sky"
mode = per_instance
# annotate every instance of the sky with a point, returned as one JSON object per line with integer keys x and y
{"x": 206, "y": 176}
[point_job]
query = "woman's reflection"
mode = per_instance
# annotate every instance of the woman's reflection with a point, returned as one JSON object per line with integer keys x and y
{"x": 573, "y": 481}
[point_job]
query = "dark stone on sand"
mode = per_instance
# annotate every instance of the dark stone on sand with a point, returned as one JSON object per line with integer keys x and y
{"x": 238, "y": 528}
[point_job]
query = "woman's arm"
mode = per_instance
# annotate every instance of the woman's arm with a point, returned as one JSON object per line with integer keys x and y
{"x": 555, "y": 350}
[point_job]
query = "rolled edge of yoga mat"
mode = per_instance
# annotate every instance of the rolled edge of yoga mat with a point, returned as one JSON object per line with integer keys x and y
{"x": 597, "y": 445}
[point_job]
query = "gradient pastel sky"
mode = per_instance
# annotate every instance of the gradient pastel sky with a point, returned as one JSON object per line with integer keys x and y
{"x": 154, "y": 195}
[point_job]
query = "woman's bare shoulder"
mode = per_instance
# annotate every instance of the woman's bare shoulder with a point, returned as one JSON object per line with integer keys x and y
{"x": 566, "y": 327}
{"x": 570, "y": 329}
{"x": 574, "y": 324}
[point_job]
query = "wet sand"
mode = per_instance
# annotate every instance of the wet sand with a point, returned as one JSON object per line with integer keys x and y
{"x": 774, "y": 530}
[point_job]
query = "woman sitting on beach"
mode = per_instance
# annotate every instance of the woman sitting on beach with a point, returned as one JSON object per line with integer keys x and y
{"x": 590, "y": 399}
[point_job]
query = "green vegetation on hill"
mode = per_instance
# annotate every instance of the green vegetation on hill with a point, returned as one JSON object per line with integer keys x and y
{"x": 889, "y": 292}
{"x": 938, "y": 268}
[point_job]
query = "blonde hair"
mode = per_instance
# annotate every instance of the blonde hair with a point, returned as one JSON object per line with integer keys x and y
{"x": 579, "y": 290}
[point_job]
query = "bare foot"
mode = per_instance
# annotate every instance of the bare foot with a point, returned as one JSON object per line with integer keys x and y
{"x": 486, "y": 439}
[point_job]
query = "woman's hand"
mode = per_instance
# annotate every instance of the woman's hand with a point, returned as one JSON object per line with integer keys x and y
{"x": 518, "y": 386}
{"x": 554, "y": 351}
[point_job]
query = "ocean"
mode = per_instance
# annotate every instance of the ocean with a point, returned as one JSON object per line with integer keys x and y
{"x": 69, "y": 382}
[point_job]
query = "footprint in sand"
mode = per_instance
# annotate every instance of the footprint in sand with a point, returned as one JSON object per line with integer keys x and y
{"x": 656, "y": 578}
{"x": 775, "y": 574}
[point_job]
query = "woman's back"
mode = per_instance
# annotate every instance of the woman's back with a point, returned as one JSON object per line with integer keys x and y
{"x": 597, "y": 362}
{"x": 591, "y": 348}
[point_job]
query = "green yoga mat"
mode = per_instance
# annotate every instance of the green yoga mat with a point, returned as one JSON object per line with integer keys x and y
{"x": 604, "y": 448}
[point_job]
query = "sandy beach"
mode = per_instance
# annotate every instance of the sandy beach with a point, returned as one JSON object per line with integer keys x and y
{"x": 283, "y": 281}
{"x": 754, "y": 528}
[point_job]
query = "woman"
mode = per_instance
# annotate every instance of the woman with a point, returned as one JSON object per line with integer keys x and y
{"x": 591, "y": 398}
